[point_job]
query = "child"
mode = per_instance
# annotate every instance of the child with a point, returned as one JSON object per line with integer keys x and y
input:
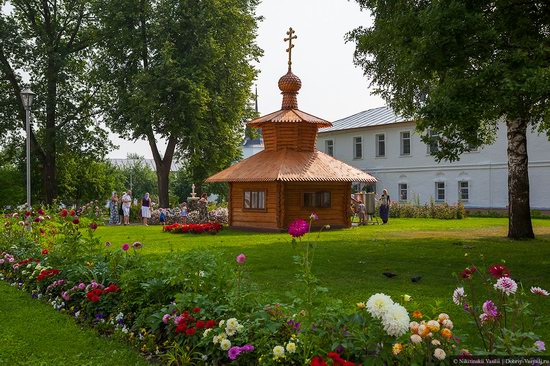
{"x": 162, "y": 217}
{"x": 184, "y": 213}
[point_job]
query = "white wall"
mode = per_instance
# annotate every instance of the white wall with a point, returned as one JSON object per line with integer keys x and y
{"x": 485, "y": 170}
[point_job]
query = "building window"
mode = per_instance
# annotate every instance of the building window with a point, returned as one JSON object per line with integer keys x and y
{"x": 405, "y": 143}
{"x": 358, "y": 148}
{"x": 433, "y": 146}
{"x": 380, "y": 145}
{"x": 463, "y": 191}
{"x": 317, "y": 199}
{"x": 329, "y": 147}
{"x": 403, "y": 191}
{"x": 254, "y": 200}
{"x": 440, "y": 191}
{"x": 371, "y": 188}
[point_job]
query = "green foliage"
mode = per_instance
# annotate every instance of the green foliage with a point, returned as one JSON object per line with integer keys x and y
{"x": 82, "y": 179}
{"x": 458, "y": 67}
{"x": 12, "y": 186}
{"x": 180, "y": 70}
{"x": 139, "y": 176}
{"x": 51, "y": 43}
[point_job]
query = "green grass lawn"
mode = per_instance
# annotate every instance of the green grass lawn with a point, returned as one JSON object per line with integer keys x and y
{"x": 33, "y": 333}
{"x": 350, "y": 262}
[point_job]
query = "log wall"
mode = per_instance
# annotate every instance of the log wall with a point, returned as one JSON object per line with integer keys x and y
{"x": 338, "y": 215}
{"x": 254, "y": 219}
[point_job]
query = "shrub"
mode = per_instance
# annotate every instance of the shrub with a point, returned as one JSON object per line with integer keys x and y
{"x": 430, "y": 210}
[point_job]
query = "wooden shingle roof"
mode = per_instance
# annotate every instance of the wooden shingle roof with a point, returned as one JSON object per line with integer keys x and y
{"x": 291, "y": 166}
{"x": 289, "y": 116}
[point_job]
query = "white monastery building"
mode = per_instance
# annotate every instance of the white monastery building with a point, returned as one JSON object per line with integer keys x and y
{"x": 388, "y": 147}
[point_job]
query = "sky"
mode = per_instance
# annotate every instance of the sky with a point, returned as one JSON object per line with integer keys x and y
{"x": 332, "y": 87}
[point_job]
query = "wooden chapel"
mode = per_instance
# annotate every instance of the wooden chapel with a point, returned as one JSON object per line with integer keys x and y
{"x": 289, "y": 179}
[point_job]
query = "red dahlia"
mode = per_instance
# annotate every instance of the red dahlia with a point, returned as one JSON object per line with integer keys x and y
{"x": 498, "y": 271}
{"x": 468, "y": 272}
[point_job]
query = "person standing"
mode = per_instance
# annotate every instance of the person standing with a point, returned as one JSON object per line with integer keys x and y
{"x": 202, "y": 207}
{"x": 126, "y": 203}
{"x": 184, "y": 213}
{"x": 146, "y": 208}
{"x": 362, "y": 213}
{"x": 113, "y": 209}
{"x": 385, "y": 206}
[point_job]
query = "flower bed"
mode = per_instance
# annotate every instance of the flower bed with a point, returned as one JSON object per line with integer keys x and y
{"x": 212, "y": 228}
{"x": 195, "y": 308}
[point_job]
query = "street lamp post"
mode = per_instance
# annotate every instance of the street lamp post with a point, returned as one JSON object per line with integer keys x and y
{"x": 26, "y": 97}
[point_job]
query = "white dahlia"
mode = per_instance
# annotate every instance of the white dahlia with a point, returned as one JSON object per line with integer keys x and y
{"x": 395, "y": 320}
{"x": 377, "y": 305}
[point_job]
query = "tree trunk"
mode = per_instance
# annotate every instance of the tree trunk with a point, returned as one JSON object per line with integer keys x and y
{"x": 163, "y": 174}
{"x": 519, "y": 211}
{"x": 49, "y": 168}
{"x": 163, "y": 166}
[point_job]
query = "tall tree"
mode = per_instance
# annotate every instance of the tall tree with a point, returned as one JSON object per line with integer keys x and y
{"x": 49, "y": 42}
{"x": 460, "y": 67}
{"x": 179, "y": 70}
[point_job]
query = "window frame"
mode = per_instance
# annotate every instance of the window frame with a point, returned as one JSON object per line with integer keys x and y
{"x": 251, "y": 191}
{"x": 437, "y": 190}
{"x": 400, "y": 190}
{"x": 434, "y": 146}
{"x": 355, "y": 143}
{"x": 460, "y": 190}
{"x": 402, "y": 145}
{"x": 331, "y": 141}
{"x": 377, "y": 140}
{"x": 317, "y": 199}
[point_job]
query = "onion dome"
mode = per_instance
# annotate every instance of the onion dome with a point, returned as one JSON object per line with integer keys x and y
{"x": 290, "y": 84}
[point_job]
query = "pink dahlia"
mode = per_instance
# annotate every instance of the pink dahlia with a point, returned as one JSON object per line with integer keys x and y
{"x": 298, "y": 228}
{"x": 234, "y": 352}
{"x": 490, "y": 308}
{"x": 506, "y": 285}
{"x": 241, "y": 258}
{"x": 539, "y": 291}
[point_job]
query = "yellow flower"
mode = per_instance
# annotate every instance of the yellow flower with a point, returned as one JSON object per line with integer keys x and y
{"x": 361, "y": 305}
{"x": 423, "y": 330}
{"x": 446, "y": 332}
{"x": 433, "y": 326}
{"x": 291, "y": 347}
{"x": 397, "y": 348}
{"x": 407, "y": 298}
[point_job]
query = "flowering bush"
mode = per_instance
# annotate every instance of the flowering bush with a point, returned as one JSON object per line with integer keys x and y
{"x": 212, "y": 228}
{"x": 429, "y": 210}
{"x": 500, "y": 310}
{"x": 196, "y": 308}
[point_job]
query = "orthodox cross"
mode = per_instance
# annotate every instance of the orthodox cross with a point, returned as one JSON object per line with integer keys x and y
{"x": 289, "y": 39}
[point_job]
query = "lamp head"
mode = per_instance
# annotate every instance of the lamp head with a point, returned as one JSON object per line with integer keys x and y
{"x": 27, "y": 97}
